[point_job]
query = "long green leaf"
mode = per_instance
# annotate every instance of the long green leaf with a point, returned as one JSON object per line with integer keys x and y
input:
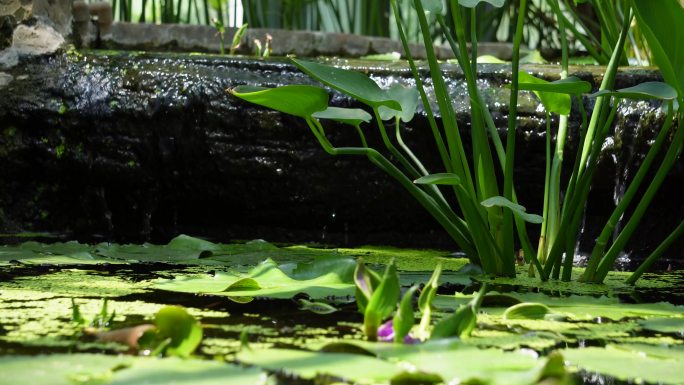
{"x": 352, "y": 83}
{"x": 515, "y": 208}
{"x": 439, "y": 178}
{"x": 302, "y": 101}
{"x": 661, "y": 23}
{"x": 403, "y": 320}
{"x": 352, "y": 116}
{"x": 642, "y": 91}
{"x": 382, "y": 302}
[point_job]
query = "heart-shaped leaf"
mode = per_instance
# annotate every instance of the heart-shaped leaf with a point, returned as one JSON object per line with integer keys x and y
{"x": 352, "y": 83}
{"x": 432, "y": 6}
{"x": 475, "y": 3}
{"x": 552, "y": 101}
{"x": 407, "y": 98}
{"x": 642, "y": 91}
{"x": 302, "y": 101}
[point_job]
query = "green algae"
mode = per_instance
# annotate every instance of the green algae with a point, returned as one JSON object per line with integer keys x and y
{"x": 76, "y": 283}
{"x": 35, "y": 311}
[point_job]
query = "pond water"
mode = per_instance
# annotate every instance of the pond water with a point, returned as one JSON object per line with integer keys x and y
{"x": 261, "y": 330}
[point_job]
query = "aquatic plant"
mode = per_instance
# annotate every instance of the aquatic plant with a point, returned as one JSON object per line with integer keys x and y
{"x": 488, "y": 215}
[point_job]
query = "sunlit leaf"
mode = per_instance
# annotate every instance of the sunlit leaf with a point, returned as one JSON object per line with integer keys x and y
{"x": 432, "y": 6}
{"x": 439, "y": 178}
{"x": 489, "y": 59}
{"x": 570, "y": 85}
{"x": 661, "y": 24}
{"x": 302, "y": 101}
{"x": 475, "y": 3}
{"x": 459, "y": 324}
{"x": 183, "y": 329}
{"x": 642, "y": 91}
{"x": 352, "y": 116}
{"x": 267, "y": 280}
{"x": 526, "y": 310}
{"x": 552, "y": 101}
{"x": 515, "y": 208}
{"x": 390, "y": 56}
{"x": 406, "y": 97}
{"x": 352, "y": 83}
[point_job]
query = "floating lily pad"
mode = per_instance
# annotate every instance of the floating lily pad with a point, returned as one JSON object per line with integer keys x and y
{"x": 664, "y": 325}
{"x": 268, "y": 280}
{"x": 628, "y": 365}
{"x": 309, "y": 365}
{"x": 75, "y": 369}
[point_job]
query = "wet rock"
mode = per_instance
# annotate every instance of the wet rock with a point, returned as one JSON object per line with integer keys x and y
{"x": 133, "y": 147}
{"x": 36, "y": 40}
{"x": 5, "y": 79}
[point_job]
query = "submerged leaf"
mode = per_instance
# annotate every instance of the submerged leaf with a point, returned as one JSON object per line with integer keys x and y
{"x": 316, "y": 307}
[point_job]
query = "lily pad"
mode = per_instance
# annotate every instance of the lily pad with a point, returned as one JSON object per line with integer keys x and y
{"x": 268, "y": 280}
{"x": 627, "y": 365}
{"x": 309, "y": 365}
{"x": 83, "y": 369}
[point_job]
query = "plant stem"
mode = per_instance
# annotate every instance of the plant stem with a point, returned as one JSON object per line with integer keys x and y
{"x": 670, "y": 158}
{"x": 627, "y": 197}
{"x": 676, "y": 234}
